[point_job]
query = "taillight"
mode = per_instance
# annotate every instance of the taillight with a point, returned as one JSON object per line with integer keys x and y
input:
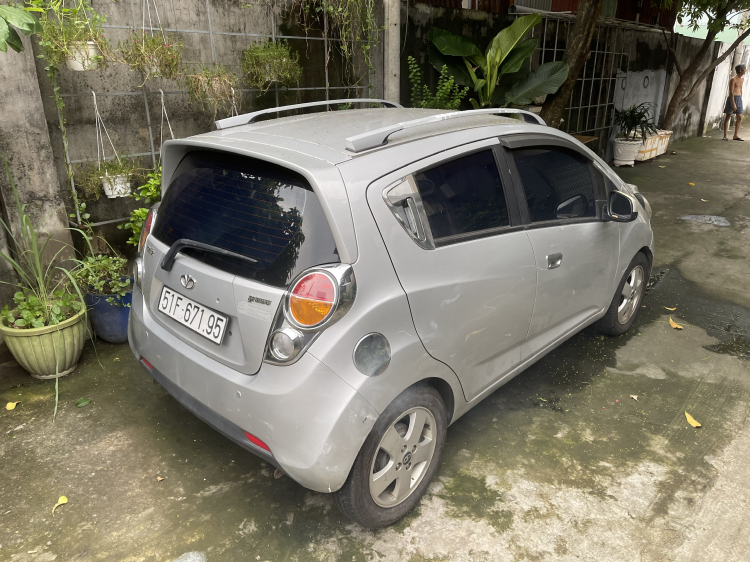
{"x": 146, "y": 230}
{"x": 318, "y": 298}
{"x": 312, "y": 299}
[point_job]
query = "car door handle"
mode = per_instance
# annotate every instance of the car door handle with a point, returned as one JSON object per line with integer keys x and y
{"x": 554, "y": 261}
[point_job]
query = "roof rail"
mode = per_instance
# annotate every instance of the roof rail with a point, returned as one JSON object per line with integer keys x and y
{"x": 379, "y": 137}
{"x": 247, "y": 118}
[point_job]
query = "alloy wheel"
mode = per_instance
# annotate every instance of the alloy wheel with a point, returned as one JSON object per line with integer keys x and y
{"x": 402, "y": 457}
{"x": 630, "y": 297}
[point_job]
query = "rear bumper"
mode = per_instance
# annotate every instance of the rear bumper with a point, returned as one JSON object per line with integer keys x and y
{"x": 313, "y": 422}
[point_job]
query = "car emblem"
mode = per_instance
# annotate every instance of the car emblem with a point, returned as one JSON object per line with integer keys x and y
{"x": 188, "y": 281}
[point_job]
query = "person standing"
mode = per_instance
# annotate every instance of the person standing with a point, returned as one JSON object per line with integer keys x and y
{"x": 734, "y": 102}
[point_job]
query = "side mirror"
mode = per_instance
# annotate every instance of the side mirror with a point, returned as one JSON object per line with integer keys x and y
{"x": 572, "y": 208}
{"x": 621, "y": 207}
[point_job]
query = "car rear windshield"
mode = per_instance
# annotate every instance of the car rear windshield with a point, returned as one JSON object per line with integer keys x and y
{"x": 248, "y": 207}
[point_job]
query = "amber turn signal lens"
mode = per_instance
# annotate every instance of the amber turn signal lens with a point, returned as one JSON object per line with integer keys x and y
{"x": 312, "y": 299}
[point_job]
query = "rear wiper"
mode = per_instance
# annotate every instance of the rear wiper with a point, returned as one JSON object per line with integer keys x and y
{"x": 168, "y": 261}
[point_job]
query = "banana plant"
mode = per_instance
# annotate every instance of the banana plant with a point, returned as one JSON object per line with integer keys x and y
{"x": 15, "y": 17}
{"x": 499, "y": 77}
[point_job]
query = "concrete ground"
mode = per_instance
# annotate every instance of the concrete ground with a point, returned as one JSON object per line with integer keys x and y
{"x": 560, "y": 464}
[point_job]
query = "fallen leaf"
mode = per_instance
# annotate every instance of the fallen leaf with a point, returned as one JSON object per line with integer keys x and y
{"x": 691, "y": 420}
{"x": 159, "y": 478}
{"x": 691, "y": 183}
{"x": 704, "y": 200}
{"x": 675, "y": 308}
{"x": 12, "y": 405}
{"x": 61, "y": 501}
{"x": 116, "y": 359}
{"x": 662, "y": 166}
{"x": 81, "y": 402}
{"x": 674, "y": 324}
{"x": 33, "y": 551}
{"x": 634, "y": 397}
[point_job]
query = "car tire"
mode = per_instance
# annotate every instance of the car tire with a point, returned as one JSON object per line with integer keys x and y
{"x": 390, "y": 455}
{"x": 627, "y": 300}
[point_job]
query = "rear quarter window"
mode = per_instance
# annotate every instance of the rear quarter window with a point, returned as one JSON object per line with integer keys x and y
{"x": 248, "y": 207}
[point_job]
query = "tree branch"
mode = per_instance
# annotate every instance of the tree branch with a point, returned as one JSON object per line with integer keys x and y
{"x": 674, "y": 54}
{"x": 714, "y": 64}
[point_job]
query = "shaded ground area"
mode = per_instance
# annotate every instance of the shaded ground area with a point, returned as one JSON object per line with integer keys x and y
{"x": 560, "y": 464}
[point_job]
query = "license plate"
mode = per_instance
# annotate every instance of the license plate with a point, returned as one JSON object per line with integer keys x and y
{"x": 201, "y": 320}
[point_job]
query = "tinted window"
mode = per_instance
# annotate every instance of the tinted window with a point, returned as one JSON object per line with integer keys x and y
{"x": 248, "y": 207}
{"x": 463, "y": 195}
{"x": 554, "y": 176}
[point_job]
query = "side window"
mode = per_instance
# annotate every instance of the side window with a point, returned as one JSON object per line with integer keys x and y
{"x": 463, "y": 195}
{"x": 557, "y": 183}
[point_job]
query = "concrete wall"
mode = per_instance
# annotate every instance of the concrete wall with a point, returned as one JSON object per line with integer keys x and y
{"x": 25, "y": 143}
{"x": 720, "y": 86}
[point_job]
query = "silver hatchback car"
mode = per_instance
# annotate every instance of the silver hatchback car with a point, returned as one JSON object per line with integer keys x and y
{"x": 332, "y": 290}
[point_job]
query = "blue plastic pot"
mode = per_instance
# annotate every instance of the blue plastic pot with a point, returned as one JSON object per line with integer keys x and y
{"x": 110, "y": 321}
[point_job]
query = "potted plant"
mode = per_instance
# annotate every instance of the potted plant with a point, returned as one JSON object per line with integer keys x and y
{"x": 109, "y": 292}
{"x": 270, "y": 62}
{"x": 214, "y": 87}
{"x": 111, "y": 176}
{"x": 71, "y": 34}
{"x": 157, "y": 55}
{"x": 634, "y": 124}
{"x": 44, "y": 327}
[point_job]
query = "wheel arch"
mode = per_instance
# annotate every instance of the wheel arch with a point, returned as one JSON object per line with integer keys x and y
{"x": 446, "y": 393}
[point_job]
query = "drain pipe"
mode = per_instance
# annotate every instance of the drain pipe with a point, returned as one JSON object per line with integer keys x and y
{"x": 392, "y": 74}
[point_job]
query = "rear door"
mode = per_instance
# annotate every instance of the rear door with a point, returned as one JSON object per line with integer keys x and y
{"x": 576, "y": 253}
{"x": 271, "y": 222}
{"x": 451, "y": 226}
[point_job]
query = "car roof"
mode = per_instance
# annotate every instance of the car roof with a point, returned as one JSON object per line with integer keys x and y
{"x": 323, "y": 134}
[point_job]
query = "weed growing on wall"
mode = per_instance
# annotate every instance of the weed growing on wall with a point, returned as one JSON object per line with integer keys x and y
{"x": 270, "y": 62}
{"x": 215, "y": 88}
{"x": 447, "y": 96}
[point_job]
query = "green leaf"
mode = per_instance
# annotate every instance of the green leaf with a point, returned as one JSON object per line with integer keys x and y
{"x": 518, "y": 55}
{"x": 544, "y": 80}
{"x": 479, "y": 84}
{"x": 21, "y": 323}
{"x": 14, "y": 41}
{"x": 508, "y": 38}
{"x": 81, "y": 402}
{"x": 456, "y": 45}
{"x": 455, "y": 65}
{"x": 20, "y": 18}
{"x": 4, "y": 34}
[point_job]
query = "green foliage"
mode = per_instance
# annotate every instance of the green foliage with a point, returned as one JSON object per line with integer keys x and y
{"x": 12, "y": 17}
{"x": 716, "y": 15}
{"x": 214, "y": 87}
{"x": 499, "y": 77}
{"x": 104, "y": 275}
{"x": 637, "y": 119}
{"x": 158, "y": 55}
{"x": 151, "y": 190}
{"x": 447, "y": 96}
{"x": 47, "y": 291}
{"x": 64, "y": 27}
{"x": 352, "y": 24}
{"x": 32, "y": 312}
{"x": 268, "y": 62}
{"x": 135, "y": 224}
{"x": 81, "y": 402}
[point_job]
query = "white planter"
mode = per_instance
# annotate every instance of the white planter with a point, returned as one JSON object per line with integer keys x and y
{"x": 663, "y": 141}
{"x": 626, "y": 151}
{"x": 116, "y": 186}
{"x": 83, "y": 56}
